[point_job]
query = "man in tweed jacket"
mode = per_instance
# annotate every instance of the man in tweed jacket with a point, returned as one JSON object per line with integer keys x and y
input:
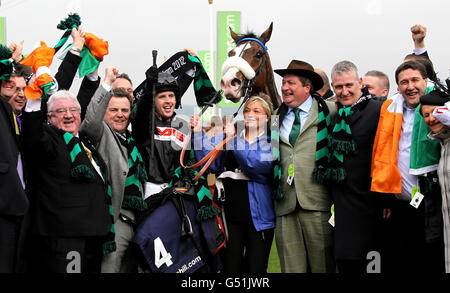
{"x": 303, "y": 235}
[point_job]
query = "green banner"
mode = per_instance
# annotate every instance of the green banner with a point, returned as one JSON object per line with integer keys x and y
{"x": 3, "y": 30}
{"x": 205, "y": 58}
{"x": 226, "y": 20}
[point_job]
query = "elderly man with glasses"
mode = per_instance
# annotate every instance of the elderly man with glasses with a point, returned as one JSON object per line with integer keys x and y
{"x": 71, "y": 224}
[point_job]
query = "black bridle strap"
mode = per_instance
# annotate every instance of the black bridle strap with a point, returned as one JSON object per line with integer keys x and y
{"x": 248, "y": 84}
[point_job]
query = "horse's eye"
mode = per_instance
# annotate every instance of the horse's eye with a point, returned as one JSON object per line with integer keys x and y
{"x": 259, "y": 54}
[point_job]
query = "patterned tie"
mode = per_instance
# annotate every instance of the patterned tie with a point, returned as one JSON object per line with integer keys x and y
{"x": 88, "y": 153}
{"x": 295, "y": 130}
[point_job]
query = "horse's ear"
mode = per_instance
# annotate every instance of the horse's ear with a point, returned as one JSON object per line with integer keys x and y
{"x": 265, "y": 36}
{"x": 233, "y": 35}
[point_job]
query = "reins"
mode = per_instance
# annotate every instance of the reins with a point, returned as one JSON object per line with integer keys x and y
{"x": 209, "y": 158}
{"x": 214, "y": 153}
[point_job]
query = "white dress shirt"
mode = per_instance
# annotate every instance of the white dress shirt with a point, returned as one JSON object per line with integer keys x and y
{"x": 404, "y": 153}
{"x": 288, "y": 120}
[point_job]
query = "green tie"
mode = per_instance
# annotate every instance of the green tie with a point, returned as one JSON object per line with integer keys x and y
{"x": 295, "y": 131}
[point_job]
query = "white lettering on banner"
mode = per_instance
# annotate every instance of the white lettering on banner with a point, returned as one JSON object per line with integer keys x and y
{"x": 168, "y": 70}
{"x": 178, "y": 63}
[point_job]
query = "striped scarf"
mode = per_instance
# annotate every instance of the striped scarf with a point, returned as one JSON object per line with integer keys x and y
{"x": 6, "y": 65}
{"x": 94, "y": 48}
{"x": 183, "y": 181}
{"x": 203, "y": 87}
{"x": 132, "y": 197}
{"x": 275, "y": 137}
{"x": 44, "y": 84}
{"x": 342, "y": 143}
{"x": 67, "y": 24}
{"x": 81, "y": 171}
{"x": 322, "y": 152}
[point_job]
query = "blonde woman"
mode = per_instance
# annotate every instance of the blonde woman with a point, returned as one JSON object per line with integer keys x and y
{"x": 245, "y": 169}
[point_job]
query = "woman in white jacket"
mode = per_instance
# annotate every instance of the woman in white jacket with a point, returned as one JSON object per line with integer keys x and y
{"x": 435, "y": 111}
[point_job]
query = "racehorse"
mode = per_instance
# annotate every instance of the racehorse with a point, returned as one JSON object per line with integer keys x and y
{"x": 247, "y": 70}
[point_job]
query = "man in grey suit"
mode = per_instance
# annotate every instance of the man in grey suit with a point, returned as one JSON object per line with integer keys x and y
{"x": 105, "y": 124}
{"x": 303, "y": 234}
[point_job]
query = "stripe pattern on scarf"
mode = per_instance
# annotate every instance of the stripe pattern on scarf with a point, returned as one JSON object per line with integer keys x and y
{"x": 323, "y": 136}
{"x": 183, "y": 178}
{"x": 275, "y": 137}
{"x": 72, "y": 21}
{"x": 132, "y": 198}
{"x": 322, "y": 152}
{"x": 81, "y": 171}
{"x": 342, "y": 143}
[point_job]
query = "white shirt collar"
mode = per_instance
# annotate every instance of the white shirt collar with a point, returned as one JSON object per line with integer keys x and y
{"x": 305, "y": 106}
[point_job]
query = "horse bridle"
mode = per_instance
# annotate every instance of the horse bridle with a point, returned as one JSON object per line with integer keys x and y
{"x": 248, "y": 83}
{"x": 214, "y": 153}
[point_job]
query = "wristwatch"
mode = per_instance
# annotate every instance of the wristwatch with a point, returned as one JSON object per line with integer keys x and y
{"x": 76, "y": 49}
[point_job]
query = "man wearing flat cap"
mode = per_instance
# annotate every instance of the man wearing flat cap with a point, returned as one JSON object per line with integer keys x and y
{"x": 303, "y": 234}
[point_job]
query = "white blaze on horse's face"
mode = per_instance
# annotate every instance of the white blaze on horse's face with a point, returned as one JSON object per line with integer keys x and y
{"x": 231, "y": 83}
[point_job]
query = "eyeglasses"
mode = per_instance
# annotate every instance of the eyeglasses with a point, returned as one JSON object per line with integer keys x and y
{"x": 72, "y": 110}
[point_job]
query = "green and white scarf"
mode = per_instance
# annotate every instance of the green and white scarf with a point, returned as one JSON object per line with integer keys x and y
{"x": 183, "y": 178}
{"x": 425, "y": 152}
{"x": 136, "y": 177}
{"x": 81, "y": 171}
{"x": 322, "y": 152}
{"x": 342, "y": 143}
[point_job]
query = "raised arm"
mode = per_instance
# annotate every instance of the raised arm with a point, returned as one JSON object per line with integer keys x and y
{"x": 141, "y": 120}
{"x": 37, "y": 142}
{"x": 92, "y": 125}
{"x": 69, "y": 66}
{"x": 418, "y": 33}
{"x": 87, "y": 90}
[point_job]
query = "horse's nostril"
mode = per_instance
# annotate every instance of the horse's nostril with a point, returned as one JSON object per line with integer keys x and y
{"x": 236, "y": 82}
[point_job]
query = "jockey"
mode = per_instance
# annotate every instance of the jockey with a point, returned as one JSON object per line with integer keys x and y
{"x": 168, "y": 130}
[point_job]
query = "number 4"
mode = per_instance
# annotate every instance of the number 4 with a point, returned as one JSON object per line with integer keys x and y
{"x": 161, "y": 254}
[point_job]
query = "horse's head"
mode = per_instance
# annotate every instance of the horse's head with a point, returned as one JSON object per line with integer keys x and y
{"x": 245, "y": 65}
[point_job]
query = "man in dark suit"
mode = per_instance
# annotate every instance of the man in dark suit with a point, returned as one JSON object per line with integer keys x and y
{"x": 358, "y": 214}
{"x": 13, "y": 201}
{"x": 70, "y": 219}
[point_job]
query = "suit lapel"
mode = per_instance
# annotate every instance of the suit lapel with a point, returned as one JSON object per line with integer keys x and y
{"x": 355, "y": 117}
{"x": 6, "y": 108}
{"x": 281, "y": 112}
{"x": 312, "y": 117}
{"x": 10, "y": 117}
